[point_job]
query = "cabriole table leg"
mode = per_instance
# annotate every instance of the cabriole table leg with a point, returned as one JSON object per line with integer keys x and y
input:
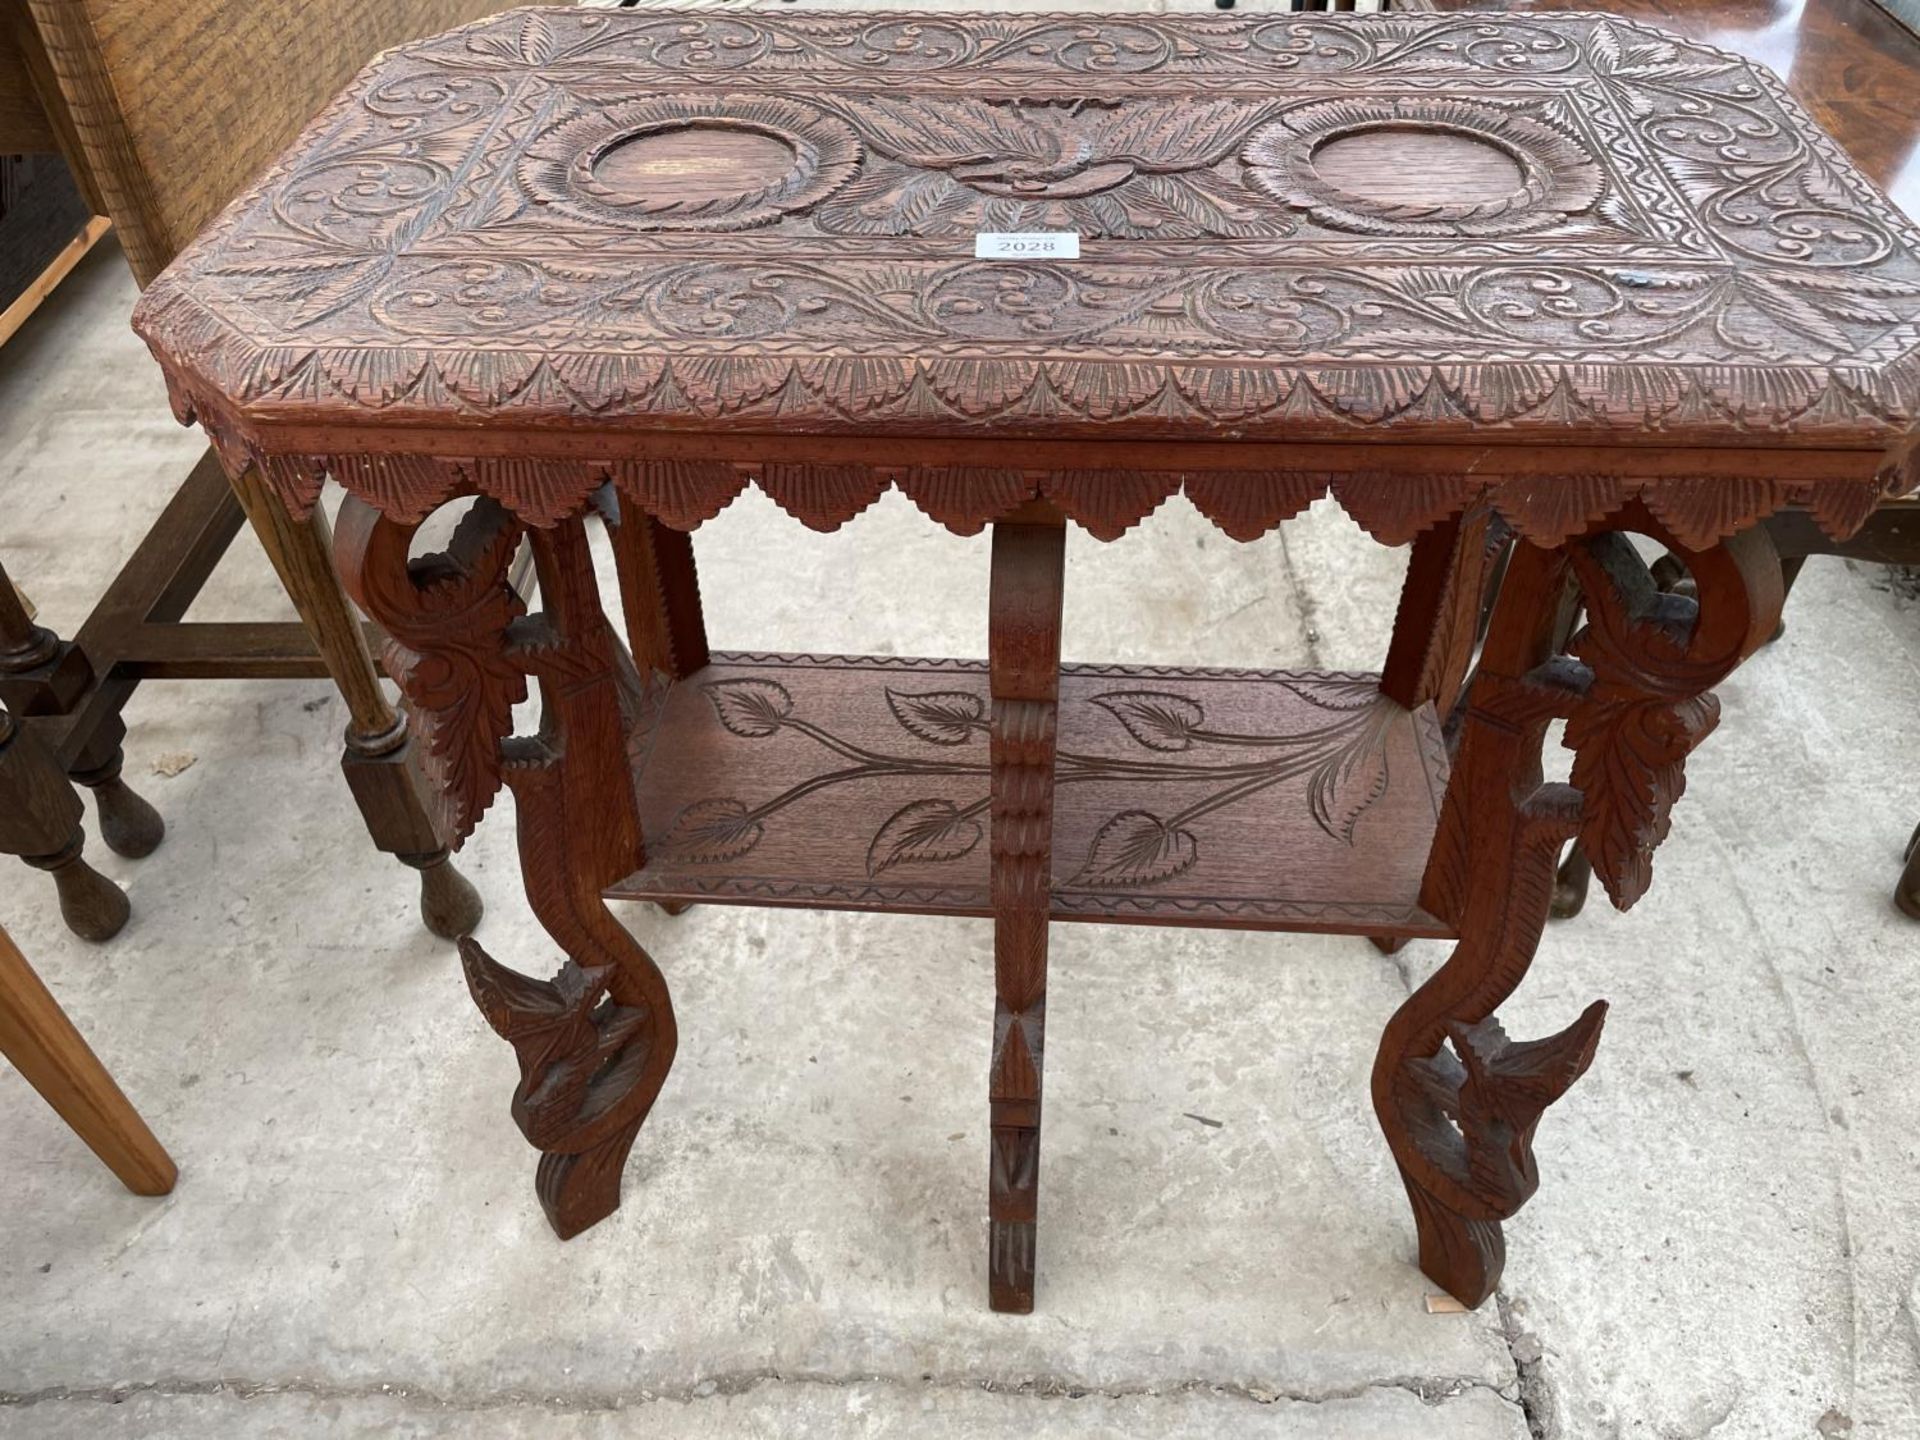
{"x": 1458, "y": 1100}
{"x": 1023, "y": 649}
{"x": 595, "y": 1043}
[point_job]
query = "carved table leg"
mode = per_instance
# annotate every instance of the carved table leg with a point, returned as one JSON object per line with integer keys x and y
{"x": 1023, "y": 647}
{"x": 1437, "y": 625}
{"x": 595, "y": 1043}
{"x": 1458, "y": 1100}
{"x": 660, "y": 600}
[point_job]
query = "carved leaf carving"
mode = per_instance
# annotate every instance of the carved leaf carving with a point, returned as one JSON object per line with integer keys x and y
{"x": 924, "y": 831}
{"x": 1136, "y": 847}
{"x": 940, "y": 717}
{"x": 751, "y": 709}
{"x": 1156, "y": 719}
{"x": 713, "y": 830}
{"x": 1629, "y": 763}
{"x": 1247, "y": 506}
{"x": 1345, "y": 787}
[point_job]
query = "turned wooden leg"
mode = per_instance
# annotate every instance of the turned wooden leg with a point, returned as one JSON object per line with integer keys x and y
{"x": 595, "y": 1043}
{"x": 1023, "y": 648}
{"x": 1458, "y": 1100}
{"x": 37, "y": 1037}
{"x": 394, "y": 799}
{"x": 40, "y": 822}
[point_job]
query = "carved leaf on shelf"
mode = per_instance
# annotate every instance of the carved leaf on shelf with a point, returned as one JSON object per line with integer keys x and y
{"x": 1136, "y": 847}
{"x": 940, "y": 717}
{"x": 1338, "y": 692}
{"x": 1348, "y": 783}
{"x": 712, "y": 830}
{"x": 923, "y": 831}
{"x": 751, "y": 709}
{"x": 1156, "y": 719}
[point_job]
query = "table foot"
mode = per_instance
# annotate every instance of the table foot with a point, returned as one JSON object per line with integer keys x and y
{"x": 1571, "y": 883}
{"x": 589, "y": 1070}
{"x": 93, "y": 906}
{"x": 449, "y": 905}
{"x": 1010, "y": 1252}
{"x": 130, "y": 826}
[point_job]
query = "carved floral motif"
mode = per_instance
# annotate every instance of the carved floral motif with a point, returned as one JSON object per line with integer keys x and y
{"x": 1700, "y": 259}
{"x": 1343, "y": 764}
{"x": 1557, "y": 178}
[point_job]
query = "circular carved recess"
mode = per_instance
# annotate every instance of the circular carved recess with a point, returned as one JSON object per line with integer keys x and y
{"x": 1399, "y": 165}
{"x": 697, "y": 163}
{"x": 720, "y": 162}
{"x": 1423, "y": 167}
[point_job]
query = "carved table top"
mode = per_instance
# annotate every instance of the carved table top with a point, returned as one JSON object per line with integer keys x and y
{"x": 696, "y": 249}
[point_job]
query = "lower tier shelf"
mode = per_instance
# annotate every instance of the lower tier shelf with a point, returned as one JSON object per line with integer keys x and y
{"x": 1239, "y": 798}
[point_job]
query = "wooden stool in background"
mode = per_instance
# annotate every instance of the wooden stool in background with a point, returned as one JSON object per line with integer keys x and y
{"x": 163, "y": 113}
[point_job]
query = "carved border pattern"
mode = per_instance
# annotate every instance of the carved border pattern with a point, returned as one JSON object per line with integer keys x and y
{"x": 1391, "y": 506}
{"x": 1811, "y": 275}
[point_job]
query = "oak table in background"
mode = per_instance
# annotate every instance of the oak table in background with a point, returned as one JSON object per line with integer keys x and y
{"x": 1570, "y": 271}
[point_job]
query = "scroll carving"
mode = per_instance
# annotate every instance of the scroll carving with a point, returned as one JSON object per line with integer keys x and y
{"x": 1458, "y": 1100}
{"x": 594, "y": 1043}
{"x": 1658, "y": 241}
{"x": 448, "y": 618}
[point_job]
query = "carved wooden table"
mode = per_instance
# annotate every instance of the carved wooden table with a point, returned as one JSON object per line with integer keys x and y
{"x": 1567, "y": 276}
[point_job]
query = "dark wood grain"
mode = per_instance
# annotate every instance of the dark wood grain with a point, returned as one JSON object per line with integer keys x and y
{"x": 1641, "y": 288}
{"x": 1567, "y": 279}
{"x": 1296, "y": 801}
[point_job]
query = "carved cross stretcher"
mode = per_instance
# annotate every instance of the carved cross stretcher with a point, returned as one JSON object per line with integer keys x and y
{"x": 1564, "y": 279}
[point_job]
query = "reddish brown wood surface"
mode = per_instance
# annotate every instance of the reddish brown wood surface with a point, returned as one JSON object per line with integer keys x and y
{"x": 1681, "y": 260}
{"x": 1254, "y": 799}
{"x": 1569, "y": 273}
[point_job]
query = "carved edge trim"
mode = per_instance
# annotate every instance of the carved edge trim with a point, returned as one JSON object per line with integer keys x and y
{"x": 1392, "y": 507}
{"x": 1843, "y": 402}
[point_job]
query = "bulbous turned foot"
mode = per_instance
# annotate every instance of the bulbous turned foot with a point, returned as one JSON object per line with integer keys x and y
{"x": 93, "y": 906}
{"x": 1571, "y": 882}
{"x": 449, "y": 904}
{"x": 1389, "y": 944}
{"x": 130, "y": 826}
{"x": 1907, "y": 893}
{"x": 674, "y": 907}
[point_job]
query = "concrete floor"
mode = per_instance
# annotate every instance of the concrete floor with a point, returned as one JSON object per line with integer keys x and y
{"x": 1726, "y": 1240}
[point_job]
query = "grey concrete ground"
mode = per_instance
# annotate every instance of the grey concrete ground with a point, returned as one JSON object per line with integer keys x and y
{"x": 1726, "y": 1241}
